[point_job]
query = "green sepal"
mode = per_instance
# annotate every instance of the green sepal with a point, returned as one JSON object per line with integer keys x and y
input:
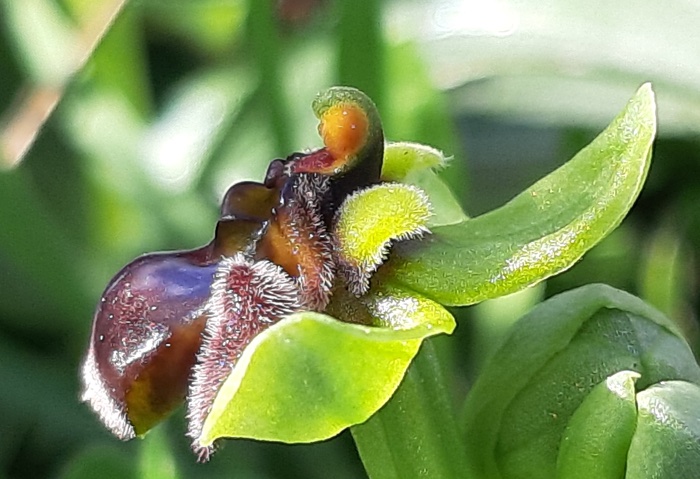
{"x": 417, "y": 164}
{"x": 599, "y": 433}
{"x": 310, "y": 376}
{"x": 542, "y": 231}
{"x": 666, "y": 444}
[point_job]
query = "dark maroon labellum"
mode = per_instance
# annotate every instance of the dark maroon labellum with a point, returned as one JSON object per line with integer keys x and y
{"x": 145, "y": 336}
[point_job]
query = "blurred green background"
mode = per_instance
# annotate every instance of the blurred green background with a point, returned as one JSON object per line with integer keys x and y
{"x": 143, "y": 113}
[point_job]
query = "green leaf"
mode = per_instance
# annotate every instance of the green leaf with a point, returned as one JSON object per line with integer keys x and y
{"x": 310, "y": 376}
{"x": 542, "y": 231}
{"x": 519, "y": 407}
{"x": 599, "y": 433}
{"x": 666, "y": 444}
{"x": 561, "y": 63}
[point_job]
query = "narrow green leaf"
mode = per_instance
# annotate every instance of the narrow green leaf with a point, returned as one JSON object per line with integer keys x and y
{"x": 520, "y": 55}
{"x": 519, "y": 407}
{"x": 310, "y": 376}
{"x": 542, "y": 231}
{"x": 666, "y": 444}
{"x": 208, "y": 25}
{"x": 599, "y": 433}
{"x": 46, "y": 41}
{"x": 360, "y": 53}
{"x": 664, "y": 275}
{"x": 266, "y": 48}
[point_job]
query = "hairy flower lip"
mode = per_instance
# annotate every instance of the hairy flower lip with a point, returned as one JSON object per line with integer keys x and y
{"x": 246, "y": 297}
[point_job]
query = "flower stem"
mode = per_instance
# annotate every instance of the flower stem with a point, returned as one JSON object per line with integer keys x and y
{"x": 415, "y": 434}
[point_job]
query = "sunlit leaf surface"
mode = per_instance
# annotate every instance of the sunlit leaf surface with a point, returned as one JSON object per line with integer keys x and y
{"x": 666, "y": 443}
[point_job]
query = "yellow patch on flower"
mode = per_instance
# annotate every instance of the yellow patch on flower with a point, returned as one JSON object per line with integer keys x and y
{"x": 369, "y": 220}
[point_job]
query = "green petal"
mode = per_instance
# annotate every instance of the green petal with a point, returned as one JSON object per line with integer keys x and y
{"x": 542, "y": 231}
{"x": 369, "y": 220}
{"x": 404, "y": 159}
{"x": 666, "y": 444}
{"x": 599, "y": 433}
{"x": 519, "y": 407}
{"x": 310, "y": 376}
{"x": 415, "y": 164}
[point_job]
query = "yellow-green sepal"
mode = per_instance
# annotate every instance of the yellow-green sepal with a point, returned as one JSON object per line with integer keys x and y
{"x": 417, "y": 164}
{"x": 542, "y": 231}
{"x": 310, "y": 376}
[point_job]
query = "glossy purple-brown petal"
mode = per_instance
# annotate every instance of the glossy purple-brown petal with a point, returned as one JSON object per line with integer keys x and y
{"x": 247, "y": 298}
{"x": 145, "y": 335}
{"x": 245, "y": 211}
{"x": 249, "y": 199}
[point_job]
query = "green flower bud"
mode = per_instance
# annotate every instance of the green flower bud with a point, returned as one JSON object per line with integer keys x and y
{"x": 526, "y": 400}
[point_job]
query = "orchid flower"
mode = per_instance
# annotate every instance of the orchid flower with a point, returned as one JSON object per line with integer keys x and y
{"x": 302, "y": 315}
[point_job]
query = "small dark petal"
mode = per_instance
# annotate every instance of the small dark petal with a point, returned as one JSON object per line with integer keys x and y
{"x": 246, "y": 298}
{"x": 249, "y": 200}
{"x": 235, "y": 235}
{"x": 146, "y": 332}
{"x": 297, "y": 239}
{"x": 355, "y": 277}
{"x": 276, "y": 173}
